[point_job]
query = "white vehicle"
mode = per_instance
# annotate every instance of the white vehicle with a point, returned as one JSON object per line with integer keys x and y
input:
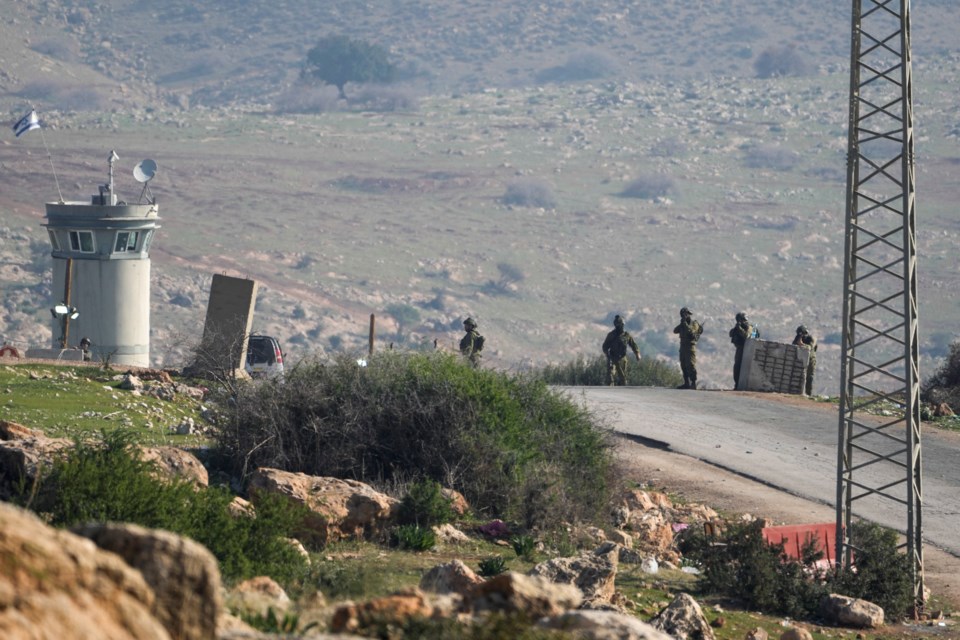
{"x": 264, "y": 357}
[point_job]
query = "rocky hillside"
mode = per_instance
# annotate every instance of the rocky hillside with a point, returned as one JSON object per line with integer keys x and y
{"x": 483, "y": 186}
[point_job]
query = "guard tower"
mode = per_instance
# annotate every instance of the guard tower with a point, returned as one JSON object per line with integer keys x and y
{"x": 101, "y": 268}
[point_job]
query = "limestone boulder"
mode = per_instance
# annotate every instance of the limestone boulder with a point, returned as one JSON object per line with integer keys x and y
{"x": 851, "y": 612}
{"x": 183, "y": 575}
{"x": 257, "y": 596}
{"x": 62, "y": 584}
{"x": 451, "y": 577}
{"x": 796, "y": 633}
{"x": 512, "y": 592}
{"x": 593, "y": 573}
{"x": 683, "y": 619}
{"x": 651, "y": 531}
{"x": 339, "y": 508}
{"x": 176, "y": 463}
{"x": 23, "y": 452}
{"x": 602, "y": 625}
{"x": 398, "y": 607}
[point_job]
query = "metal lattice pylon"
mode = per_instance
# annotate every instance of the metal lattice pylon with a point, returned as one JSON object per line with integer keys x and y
{"x": 879, "y": 459}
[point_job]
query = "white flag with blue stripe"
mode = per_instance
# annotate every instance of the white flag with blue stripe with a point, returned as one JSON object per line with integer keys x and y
{"x": 27, "y": 123}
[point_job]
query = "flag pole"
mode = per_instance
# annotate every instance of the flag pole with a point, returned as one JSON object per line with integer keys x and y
{"x": 56, "y": 180}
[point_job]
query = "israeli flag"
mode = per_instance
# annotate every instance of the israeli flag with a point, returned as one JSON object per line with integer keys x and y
{"x": 27, "y": 123}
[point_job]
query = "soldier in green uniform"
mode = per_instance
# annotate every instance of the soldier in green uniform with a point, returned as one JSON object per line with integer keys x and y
{"x": 471, "y": 344}
{"x": 615, "y": 348}
{"x": 689, "y": 331}
{"x": 738, "y": 336}
{"x": 804, "y": 339}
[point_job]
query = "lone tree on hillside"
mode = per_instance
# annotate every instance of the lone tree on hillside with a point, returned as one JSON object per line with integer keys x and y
{"x": 338, "y": 60}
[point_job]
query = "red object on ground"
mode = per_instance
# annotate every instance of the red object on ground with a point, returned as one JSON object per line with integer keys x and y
{"x": 795, "y": 536}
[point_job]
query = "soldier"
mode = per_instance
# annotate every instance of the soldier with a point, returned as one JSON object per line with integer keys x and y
{"x": 85, "y": 345}
{"x": 804, "y": 339}
{"x": 689, "y": 331}
{"x": 471, "y": 344}
{"x": 738, "y": 336}
{"x": 615, "y": 348}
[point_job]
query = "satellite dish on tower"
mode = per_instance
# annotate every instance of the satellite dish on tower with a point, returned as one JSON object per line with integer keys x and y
{"x": 143, "y": 173}
{"x": 145, "y": 170}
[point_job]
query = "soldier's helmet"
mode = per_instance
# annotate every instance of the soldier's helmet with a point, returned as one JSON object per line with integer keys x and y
{"x": 685, "y": 312}
{"x": 469, "y": 324}
{"x": 741, "y": 317}
{"x": 618, "y": 321}
{"x": 802, "y": 330}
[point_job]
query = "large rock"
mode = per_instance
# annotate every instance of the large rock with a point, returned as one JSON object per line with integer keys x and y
{"x": 451, "y": 577}
{"x": 393, "y": 608}
{"x": 513, "y": 592}
{"x": 23, "y": 452}
{"x": 54, "y": 584}
{"x": 851, "y": 612}
{"x": 684, "y": 620}
{"x": 183, "y": 574}
{"x": 175, "y": 463}
{"x": 602, "y": 625}
{"x": 257, "y": 596}
{"x": 593, "y": 573}
{"x": 339, "y": 508}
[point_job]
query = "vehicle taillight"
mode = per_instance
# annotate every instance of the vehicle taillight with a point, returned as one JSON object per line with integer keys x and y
{"x": 279, "y": 355}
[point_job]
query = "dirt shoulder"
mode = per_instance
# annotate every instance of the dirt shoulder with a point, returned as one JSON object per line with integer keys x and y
{"x": 697, "y": 481}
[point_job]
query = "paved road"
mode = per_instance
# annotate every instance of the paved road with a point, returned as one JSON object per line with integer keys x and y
{"x": 786, "y": 442}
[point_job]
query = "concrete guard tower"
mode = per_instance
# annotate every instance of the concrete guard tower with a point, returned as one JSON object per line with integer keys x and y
{"x": 101, "y": 268}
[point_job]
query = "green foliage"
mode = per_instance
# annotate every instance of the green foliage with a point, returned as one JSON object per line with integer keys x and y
{"x": 523, "y": 546}
{"x": 744, "y": 565}
{"x": 948, "y": 374}
{"x": 587, "y": 371}
{"x": 107, "y": 481}
{"x": 413, "y": 537}
{"x": 338, "y": 60}
{"x": 270, "y": 623}
{"x": 881, "y": 574}
{"x": 425, "y": 505}
{"x": 515, "y": 448}
{"x": 492, "y": 566}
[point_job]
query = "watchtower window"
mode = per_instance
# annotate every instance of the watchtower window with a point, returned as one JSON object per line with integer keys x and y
{"x": 54, "y": 240}
{"x": 126, "y": 241}
{"x": 81, "y": 241}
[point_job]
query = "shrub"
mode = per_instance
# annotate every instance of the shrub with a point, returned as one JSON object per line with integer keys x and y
{"x": 781, "y": 60}
{"x": 425, "y": 505}
{"x": 582, "y": 65}
{"x": 948, "y": 375}
{"x": 488, "y": 434}
{"x": 649, "y": 187}
{"x": 492, "y": 566}
{"x": 592, "y": 371}
{"x": 107, "y": 481}
{"x": 523, "y": 546}
{"x": 529, "y": 193}
{"x": 880, "y": 574}
{"x": 746, "y": 566}
{"x": 413, "y": 537}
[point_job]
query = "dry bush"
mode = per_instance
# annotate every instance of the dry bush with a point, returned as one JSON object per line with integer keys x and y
{"x": 529, "y": 192}
{"x": 649, "y": 187}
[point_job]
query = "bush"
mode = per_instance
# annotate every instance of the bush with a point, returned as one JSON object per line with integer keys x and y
{"x": 425, "y": 505}
{"x": 948, "y": 375}
{"x": 781, "y": 60}
{"x": 108, "y": 482}
{"x": 494, "y": 437}
{"x": 492, "y": 566}
{"x": 529, "y": 193}
{"x": 581, "y": 66}
{"x": 413, "y": 537}
{"x": 747, "y": 567}
{"x": 881, "y": 574}
{"x": 586, "y": 371}
{"x": 523, "y": 546}
{"x": 649, "y": 187}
